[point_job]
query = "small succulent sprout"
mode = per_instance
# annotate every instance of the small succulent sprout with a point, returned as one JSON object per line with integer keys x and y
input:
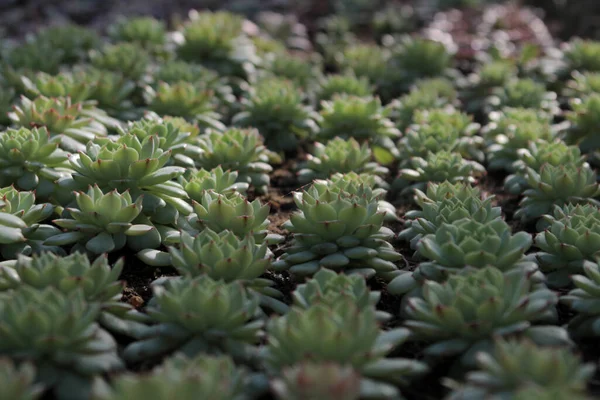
{"x": 148, "y": 32}
{"x": 300, "y": 70}
{"x": 436, "y": 167}
{"x": 73, "y": 349}
{"x": 537, "y": 154}
{"x": 217, "y": 40}
{"x": 30, "y": 160}
{"x": 512, "y": 129}
{"x": 339, "y": 229}
{"x": 584, "y": 122}
{"x": 434, "y": 93}
{"x": 234, "y": 213}
{"x": 64, "y": 84}
{"x": 22, "y": 230}
{"x": 342, "y": 84}
{"x": 97, "y": 280}
{"x": 478, "y": 86}
{"x": 572, "y": 237}
{"x": 275, "y": 107}
{"x": 582, "y": 55}
{"x": 71, "y": 40}
{"x": 446, "y": 209}
{"x": 582, "y": 85}
{"x": 523, "y": 93}
{"x": 217, "y": 180}
{"x": 17, "y": 382}
{"x": 364, "y": 60}
{"x": 200, "y": 377}
{"x": 584, "y": 300}
{"x": 239, "y": 150}
{"x": 340, "y": 333}
{"x": 340, "y": 156}
{"x": 557, "y": 185}
{"x": 362, "y": 118}
{"x": 129, "y": 59}
{"x": 440, "y": 129}
{"x": 463, "y": 315}
{"x": 100, "y": 223}
{"x": 515, "y": 365}
{"x": 199, "y": 315}
{"x": 328, "y": 287}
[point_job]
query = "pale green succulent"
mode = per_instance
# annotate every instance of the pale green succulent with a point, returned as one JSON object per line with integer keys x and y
{"x": 275, "y": 107}
{"x": 584, "y": 300}
{"x": 199, "y": 315}
{"x": 71, "y": 40}
{"x": 7, "y": 97}
{"x": 100, "y": 223}
{"x": 462, "y": 316}
{"x": 239, "y": 150}
{"x": 303, "y": 72}
{"x": 540, "y": 393}
{"x": 309, "y": 380}
{"x": 26, "y": 59}
{"x": 65, "y": 84}
{"x": 392, "y": 19}
{"x": 515, "y": 365}
{"x": 436, "y": 167}
{"x": 97, "y": 280}
{"x": 582, "y": 85}
{"x": 148, "y": 32}
{"x": 342, "y": 84}
{"x": 340, "y": 333}
{"x": 479, "y": 85}
{"x": 557, "y": 185}
{"x": 582, "y": 55}
{"x": 67, "y": 346}
{"x": 30, "y": 160}
{"x": 338, "y": 229}
{"x": 441, "y": 129}
{"x": 334, "y": 38}
{"x": 584, "y": 121}
{"x": 523, "y": 93}
{"x": 364, "y": 60}
{"x": 572, "y": 237}
{"x": 129, "y": 59}
{"x": 22, "y": 227}
{"x": 200, "y": 377}
{"x": 17, "y": 382}
{"x": 340, "y": 156}
{"x": 217, "y": 180}
{"x": 511, "y": 130}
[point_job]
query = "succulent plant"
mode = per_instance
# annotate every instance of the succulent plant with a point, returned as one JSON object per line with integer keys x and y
{"x": 72, "y": 41}
{"x": 275, "y": 108}
{"x": 69, "y": 348}
{"x": 343, "y": 334}
{"x": 393, "y": 19}
{"x": 541, "y": 393}
{"x": 101, "y": 223}
{"x": 364, "y": 60}
{"x": 22, "y": 228}
{"x": 572, "y": 236}
{"x": 145, "y": 31}
{"x": 584, "y": 121}
{"x": 199, "y": 315}
{"x": 18, "y": 381}
{"x": 512, "y": 129}
{"x": 333, "y": 38}
{"x": 582, "y": 55}
{"x": 518, "y": 364}
{"x": 338, "y": 229}
{"x": 240, "y": 150}
{"x": 479, "y": 85}
{"x": 217, "y": 180}
{"x": 342, "y": 84}
{"x": 361, "y": 118}
{"x": 557, "y": 185}
{"x": 440, "y": 129}
{"x": 28, "y": 58}
{"x": 436, "y": 167}
{"x": 582, "y": 85}
{"x": 340, "y": 156}
{"x": 173, "y": 71}
{"x": 303, "y": 72}
{"x": 65, "y": 84}
{"x": 584, "y": 300}
{"x": 203, "y": 376}
{"x": 309, "y": 380}
{"x": 523, "y": 93}
{"x": 129, "y": 59}
{"x": 30, "y": 160}
{"x": 463, "y": 315}
{"x": 97, "y": 280}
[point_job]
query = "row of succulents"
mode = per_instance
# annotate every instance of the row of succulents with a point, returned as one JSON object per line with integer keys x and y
{"x": 160, "y": 147}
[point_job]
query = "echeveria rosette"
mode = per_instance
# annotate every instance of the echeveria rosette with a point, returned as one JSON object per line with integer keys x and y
{"x": 479, "y": 85}
{"x": 584, "y": 300}
{"x": 275, "y": 107}
{"x": 239, "y": 150}
{"x": 303, "y": 71}
{"x": 30, "y": 160}
{"x": 72, "y": 41}
{"x": 22, "y": 228}
{"x": 97, "y": 280}
{"x": 26, "y": 59}
{"x": 572, "y": 237}
{"x": 523, "y": 93}
{"x": 582, "y": 85}
{"x": 204, "y": 376}
{"x": 217, "y": 180}
{"x": 364, "y": 60}
{"x": 200, "y": 315}
{"x": 340, "y": 156}
{"x": 129, "y": 59}
{"x": 100, "y": 223}
{"x": 342, "y": 84}
{"x": 462, "y": 316}
{"x": 436, "y": 167}
{"x": 584, "y": 121}
{"x": 340, "y": 230}
{"x": 467, "y": 243}
{"x": 511, "y": 130}
{"x": 362, "y": 118}
{"x": 557, "y": 185}
{"x": 581, "y": 55}
{"x": 17, "y": 382}
{"x": 65, "y": 84}
{"x": 69, "y": 348}
{"x": 148, "y": 32}
{"x": 515, "y": 365}
{"x": 343, "y": 334}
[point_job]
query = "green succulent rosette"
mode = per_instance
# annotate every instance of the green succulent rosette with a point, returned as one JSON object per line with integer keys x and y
{"x": 583, "y": 121}
{"x": 523, "y": 93}
{"x": 18, "y": 381}
{"x": 582, "y": 85}
{"x": 584, "y": 300}
{"x": 148, "y": 32}
{"x": 477, "y": 86}
{"x": 364, "y": 60}
{"x": 221, "y": 182}
{"x": 129, "y": 59}
{"x": 342, "y": 84}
